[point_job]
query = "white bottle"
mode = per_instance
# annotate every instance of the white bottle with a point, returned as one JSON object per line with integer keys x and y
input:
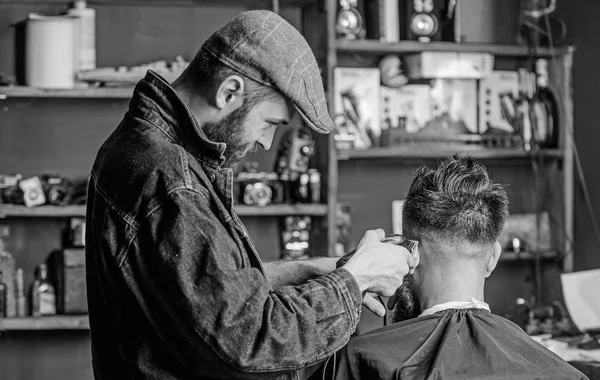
{"x": 86, "y": 32}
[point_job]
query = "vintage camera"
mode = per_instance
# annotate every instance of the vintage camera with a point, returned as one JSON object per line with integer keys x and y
{"x": 9, "y": 189}
{"x": 295, "y": 151}
{"x": 256, "y": 188}
{"x": 35, "y": 191}
{"x": 295, "y": 236}
{"x": 56, "y": 189}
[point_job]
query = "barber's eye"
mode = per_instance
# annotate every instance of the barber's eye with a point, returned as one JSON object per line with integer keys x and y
{"x": 271, "y": 125}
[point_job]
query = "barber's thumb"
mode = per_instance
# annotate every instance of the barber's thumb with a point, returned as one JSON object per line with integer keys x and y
{"x": 373, "y": 305}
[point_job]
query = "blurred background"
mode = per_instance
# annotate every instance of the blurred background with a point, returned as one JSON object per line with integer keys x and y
{"x": 513, "y": 83}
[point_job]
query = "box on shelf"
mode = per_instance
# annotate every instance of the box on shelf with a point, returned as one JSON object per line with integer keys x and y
{"x": 408, "y": 105}
{"x": 496, "y": 92}
{"x": 7, "y": 267}
{"x": 452, "y": 65}
{"x": 443, "y": 111}
{"x": 67, "y": 269}
{"x": 356, "y": 107}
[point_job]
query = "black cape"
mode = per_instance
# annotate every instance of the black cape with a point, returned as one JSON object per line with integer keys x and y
{"x": 452, "y": 344}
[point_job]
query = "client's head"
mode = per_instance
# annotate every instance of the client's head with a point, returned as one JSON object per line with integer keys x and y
{"x": 456, "y": 212}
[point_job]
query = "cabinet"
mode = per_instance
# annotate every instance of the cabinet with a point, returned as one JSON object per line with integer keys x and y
{"x": 61, "y": 131}
{"x": 368, "y": 180}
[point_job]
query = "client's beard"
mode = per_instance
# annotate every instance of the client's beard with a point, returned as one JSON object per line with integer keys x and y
{"x": 407, "y": 304}
{"x": 230, "y": 130}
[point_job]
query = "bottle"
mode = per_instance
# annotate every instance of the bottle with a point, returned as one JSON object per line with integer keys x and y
{"x": 85, "y": 55}
{"x": 20, "y": 292}
{"x": 43, "y": 297}
{"x": 549, "y": 100}
{"x": 2, "y": 297}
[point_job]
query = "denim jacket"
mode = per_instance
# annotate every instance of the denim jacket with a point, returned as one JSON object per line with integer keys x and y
{"x": 176, "y": 289}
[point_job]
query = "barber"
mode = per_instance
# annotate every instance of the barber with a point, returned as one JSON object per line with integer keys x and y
{"x": 176, "y": 289}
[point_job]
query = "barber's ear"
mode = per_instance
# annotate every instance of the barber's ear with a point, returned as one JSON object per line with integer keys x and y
{"x": 230, "y": 92}
{"x": 494, "y": 259}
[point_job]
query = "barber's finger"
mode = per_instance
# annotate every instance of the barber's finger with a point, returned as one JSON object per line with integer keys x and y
{"x": 373, "y": 305}
{"x": 392, "y": 302}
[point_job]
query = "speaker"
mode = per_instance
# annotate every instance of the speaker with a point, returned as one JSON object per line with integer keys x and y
{"x": 423, "y": 20}
{"x": 349, "y": 21}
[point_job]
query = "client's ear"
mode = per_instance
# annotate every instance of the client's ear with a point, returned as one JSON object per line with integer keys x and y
{"x": 493, "y": 260}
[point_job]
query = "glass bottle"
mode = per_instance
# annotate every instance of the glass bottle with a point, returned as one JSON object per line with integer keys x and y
{"x": 43, "y": 297}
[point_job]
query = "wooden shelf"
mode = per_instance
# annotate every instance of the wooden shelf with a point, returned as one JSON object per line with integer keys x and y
{"x": 526, "y": 256}
{"x": 57, "y": 322}
{"x": 91, "y": 93}
{"x": 266, "y": 4}
{"x": 405, "y": 47}
{"x": 435, "y": 151}
{"x": 8, "y": 210}
{"x": 283, "y": 210}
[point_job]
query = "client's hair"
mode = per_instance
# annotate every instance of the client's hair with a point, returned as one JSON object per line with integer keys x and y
{"x": 456, "y": 202}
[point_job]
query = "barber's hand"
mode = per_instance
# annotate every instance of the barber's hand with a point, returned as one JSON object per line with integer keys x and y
{"x": 379, "y": 267}
{"x": 373, "y": 304}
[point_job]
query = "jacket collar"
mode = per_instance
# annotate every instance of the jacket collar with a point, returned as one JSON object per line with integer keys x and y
{"x": 162, "y": 106}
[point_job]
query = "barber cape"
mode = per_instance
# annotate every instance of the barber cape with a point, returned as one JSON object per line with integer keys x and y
{"x": 452, "y": 341}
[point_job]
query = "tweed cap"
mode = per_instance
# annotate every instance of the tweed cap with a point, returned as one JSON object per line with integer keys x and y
{"x": 264, "y": 47}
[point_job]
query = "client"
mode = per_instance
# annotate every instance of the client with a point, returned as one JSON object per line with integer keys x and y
{"x": 444, "y": 328}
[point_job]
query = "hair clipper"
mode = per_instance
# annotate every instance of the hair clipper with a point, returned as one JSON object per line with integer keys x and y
{"x": 396, "y": 239}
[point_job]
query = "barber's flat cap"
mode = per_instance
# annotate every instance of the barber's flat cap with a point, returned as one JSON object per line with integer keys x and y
{"x": 264, "y": 47}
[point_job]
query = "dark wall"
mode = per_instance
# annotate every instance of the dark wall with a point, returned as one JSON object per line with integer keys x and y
{"x": 581, "y": 17}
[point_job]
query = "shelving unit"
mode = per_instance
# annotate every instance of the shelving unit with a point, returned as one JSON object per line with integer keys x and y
{"x": 436, "y": 151}
{"x": 57, "y": 322}
{"x": 408, "y": 47}
{"x": 7, "y": 211}
{"x": 261, "y": 4}
{"x": 78, "y": 93}
{"x": 368, "y": 181}
{"x": 61, "y": 130}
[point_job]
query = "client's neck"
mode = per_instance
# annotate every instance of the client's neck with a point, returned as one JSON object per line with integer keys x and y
{"x": 443, "y": 284}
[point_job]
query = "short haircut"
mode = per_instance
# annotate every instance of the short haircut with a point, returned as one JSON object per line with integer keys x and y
{"x": 209, "y": 72}
{"x": 456, "y": 202}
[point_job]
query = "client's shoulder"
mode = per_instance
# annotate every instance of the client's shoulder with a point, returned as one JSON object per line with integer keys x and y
{"x": 400, "y": 334}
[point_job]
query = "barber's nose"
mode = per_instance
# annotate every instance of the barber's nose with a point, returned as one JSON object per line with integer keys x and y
{"x": 267, "y": 138}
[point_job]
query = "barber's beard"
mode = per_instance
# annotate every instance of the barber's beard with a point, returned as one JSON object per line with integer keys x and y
{"x": 230, "y": 130}
{"x": 407, "y": 303}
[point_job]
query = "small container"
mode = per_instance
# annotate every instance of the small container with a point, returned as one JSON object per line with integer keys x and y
{"x": 20, "y": 293}
{"x": 85, "y": 41}
{"x": 314, "y": 185}
{"x": 302, "y": 190}
{"x": 43, "y": 296}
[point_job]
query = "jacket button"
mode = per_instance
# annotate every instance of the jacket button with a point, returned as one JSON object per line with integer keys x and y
{"x": 212, "y": 177}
